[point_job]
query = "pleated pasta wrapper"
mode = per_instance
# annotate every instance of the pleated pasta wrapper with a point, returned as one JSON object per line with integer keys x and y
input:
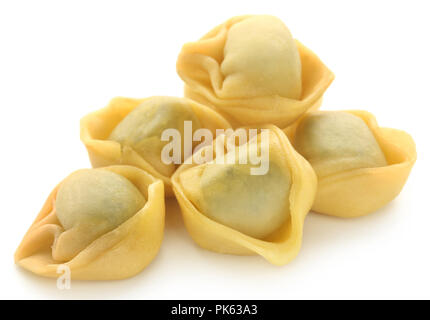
{"x": 128, "y": 132}
{"x": 358, "y": 172}
{"x": 252, "y": 71}
{"x": 94, "y": 247}
{"x": 227, "y": 210}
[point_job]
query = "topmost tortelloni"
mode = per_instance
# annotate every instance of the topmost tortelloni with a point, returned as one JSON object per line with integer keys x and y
{"x": 253, "y": 72}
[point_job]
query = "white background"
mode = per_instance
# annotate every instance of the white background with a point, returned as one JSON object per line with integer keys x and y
{"x": 60, "y": 60}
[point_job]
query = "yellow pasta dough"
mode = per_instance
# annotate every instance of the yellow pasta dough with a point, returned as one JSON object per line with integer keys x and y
{"x": 360, "y": 166}
{"x": 102, "y": 224}
{"x": 129, "y": 131}
{"x": 252, "y": 71}
{"x": 229, "y": 209}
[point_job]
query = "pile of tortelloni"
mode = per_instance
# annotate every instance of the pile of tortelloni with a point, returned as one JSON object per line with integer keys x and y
{"x": 249, "y": 72}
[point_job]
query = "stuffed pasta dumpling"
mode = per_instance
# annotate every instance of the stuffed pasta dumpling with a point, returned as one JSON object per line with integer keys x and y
{"x": 337, "y": 141}
{"x": 252, "y": 71}
{"x": 256, "y": 205}
{"x": 102, "y": 223}
{"x": 129, "y": 131}
{"x": 360, "y": 166}
{"x": 142, "y": 129}
{"x": 230, "y": 207}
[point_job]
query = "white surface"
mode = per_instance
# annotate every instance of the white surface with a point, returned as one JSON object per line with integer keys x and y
{"x": 60, "y": 61}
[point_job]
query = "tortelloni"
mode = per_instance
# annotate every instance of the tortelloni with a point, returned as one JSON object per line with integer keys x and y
{"x": 256, "y": 205}
{"x": 89, "y": 203}
{"x": 129, "y": 131}
{"x": 252, "y": 71}
{"x": 337, "y": 141}
{"x": 102, "y": 224}
{"x": 360, "y": 166}
{"x": 229, "y": 208}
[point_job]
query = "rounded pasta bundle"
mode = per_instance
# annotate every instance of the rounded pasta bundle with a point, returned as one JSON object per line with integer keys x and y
{"x": 102, "y": 224}
{"x": 252, "y": 71}
{"x": 360, "y": 166}
{"x": 231, "y": 206}
{"x": 129, "y": 131}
